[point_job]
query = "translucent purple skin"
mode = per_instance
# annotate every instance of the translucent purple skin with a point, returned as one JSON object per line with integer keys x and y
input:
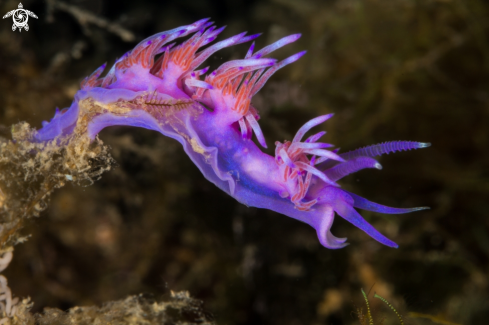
{"x": 299, "y": 182}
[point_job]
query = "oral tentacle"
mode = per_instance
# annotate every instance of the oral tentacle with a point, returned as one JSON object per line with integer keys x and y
{"x": 364, "y": 204}
{"x": 351, "y": 166}
{"x": 351, "y": 215}
{"x": 342, "y": 204}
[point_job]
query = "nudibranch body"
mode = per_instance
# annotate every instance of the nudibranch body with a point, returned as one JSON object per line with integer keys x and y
{"x": 157, "y": 86}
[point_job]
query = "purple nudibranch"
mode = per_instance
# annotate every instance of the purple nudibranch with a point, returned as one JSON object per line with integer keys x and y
{"x": 157, "y": 86}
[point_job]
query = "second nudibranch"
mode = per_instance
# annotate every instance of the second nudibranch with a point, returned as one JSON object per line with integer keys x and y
{"x": 158, "y": 86}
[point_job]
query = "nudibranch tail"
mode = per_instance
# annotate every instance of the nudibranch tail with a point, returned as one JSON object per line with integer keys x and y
{"x": 158, "y": 86}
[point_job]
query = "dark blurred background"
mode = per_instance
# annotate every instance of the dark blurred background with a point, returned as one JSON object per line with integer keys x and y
{"x": 389, "y": 70}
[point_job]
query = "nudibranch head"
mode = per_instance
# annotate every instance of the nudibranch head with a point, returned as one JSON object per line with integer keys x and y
{"x": 158, "y": 85}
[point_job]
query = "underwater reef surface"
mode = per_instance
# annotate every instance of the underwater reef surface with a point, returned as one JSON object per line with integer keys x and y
{"x": 153, "y": 224}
